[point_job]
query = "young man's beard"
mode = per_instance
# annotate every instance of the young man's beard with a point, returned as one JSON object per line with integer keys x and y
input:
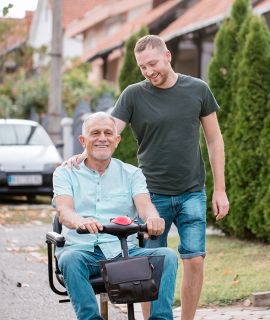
{"x": 160, "y": 80}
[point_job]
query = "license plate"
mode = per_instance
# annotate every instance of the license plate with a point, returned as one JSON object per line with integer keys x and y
{"x": 25, "y": 180}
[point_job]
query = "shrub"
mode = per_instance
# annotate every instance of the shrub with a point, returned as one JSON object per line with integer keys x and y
{"x": 222, "y": 71}
{"x": 130, "y": 73}
{"x": 259, "y": 217}
{"x": 246, "y": 161}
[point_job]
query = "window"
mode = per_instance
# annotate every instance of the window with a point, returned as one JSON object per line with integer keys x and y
{"x": 17, "y": 134}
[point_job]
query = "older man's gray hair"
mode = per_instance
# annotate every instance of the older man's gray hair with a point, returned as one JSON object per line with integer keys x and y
{"x": 97, "y": 115}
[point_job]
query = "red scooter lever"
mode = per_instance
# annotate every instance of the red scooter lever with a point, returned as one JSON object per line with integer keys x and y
{"x": 122, "y": 220}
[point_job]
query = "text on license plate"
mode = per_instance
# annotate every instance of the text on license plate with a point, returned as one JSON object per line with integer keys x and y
{"x": 25, "y": 180}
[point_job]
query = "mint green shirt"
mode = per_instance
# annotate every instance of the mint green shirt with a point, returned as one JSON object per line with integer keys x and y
{"x": 101, "y": 197}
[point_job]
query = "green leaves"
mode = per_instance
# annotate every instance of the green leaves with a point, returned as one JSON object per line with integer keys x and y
{"x": 222, "y": 74}
{"x": 243, "y": 50}
{"x": 130, "y": 73}
{"x": 5, "y": 10}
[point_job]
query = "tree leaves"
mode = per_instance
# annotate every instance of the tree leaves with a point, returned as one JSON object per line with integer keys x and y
{"x": 5, "y": 10}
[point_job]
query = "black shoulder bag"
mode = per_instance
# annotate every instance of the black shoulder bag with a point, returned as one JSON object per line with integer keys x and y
{"x": 132, "y": 279}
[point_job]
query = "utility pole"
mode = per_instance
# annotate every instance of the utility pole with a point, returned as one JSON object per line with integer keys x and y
{"x": 55, "y": 95}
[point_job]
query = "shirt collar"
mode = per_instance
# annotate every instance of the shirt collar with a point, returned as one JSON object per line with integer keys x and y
{"x": 93, "y": 171}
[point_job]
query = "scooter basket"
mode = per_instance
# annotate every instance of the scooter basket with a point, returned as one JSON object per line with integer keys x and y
{"x": 132, "y": 279}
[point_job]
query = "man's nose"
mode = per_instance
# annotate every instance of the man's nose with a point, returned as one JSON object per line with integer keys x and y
{"x": 102, "y": 136}
{"x": 149, "y": 72}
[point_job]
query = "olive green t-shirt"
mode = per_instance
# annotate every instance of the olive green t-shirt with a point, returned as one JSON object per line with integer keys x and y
{"x": 166, "y": 124}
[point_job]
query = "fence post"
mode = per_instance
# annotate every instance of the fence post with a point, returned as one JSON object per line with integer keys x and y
{"x": 105, "y": 102}
{"x": 67, "y": 125}
{"x": 82, "y": 109}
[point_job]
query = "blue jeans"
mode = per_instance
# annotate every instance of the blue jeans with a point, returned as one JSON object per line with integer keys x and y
{"x": 188, "y": 212}
{"x": 77, "y": 266}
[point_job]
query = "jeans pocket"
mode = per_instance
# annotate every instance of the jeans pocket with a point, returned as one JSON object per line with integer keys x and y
{"x": 152, "y": 195}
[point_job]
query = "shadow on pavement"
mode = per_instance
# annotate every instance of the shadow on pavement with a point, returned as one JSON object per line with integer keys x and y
{"x": 17, "y": 200}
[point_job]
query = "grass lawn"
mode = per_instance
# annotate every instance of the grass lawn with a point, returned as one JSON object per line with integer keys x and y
{"x": 234, "y": 269}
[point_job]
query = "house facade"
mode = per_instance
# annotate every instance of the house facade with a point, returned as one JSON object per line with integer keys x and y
{"x": 13, "y": 40}
{"x": 191, "y": 36}
{"x": 40, "y": 34}
{"x": 95, "y": 31}
{"x": 104, "y": 31}
{"x": 188, "y": 27}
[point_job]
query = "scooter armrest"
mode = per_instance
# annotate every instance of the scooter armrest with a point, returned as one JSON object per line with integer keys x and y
{"x": 55, "y": 238}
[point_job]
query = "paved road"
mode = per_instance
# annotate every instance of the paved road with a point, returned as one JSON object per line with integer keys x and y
{"x": 21, "y": 263}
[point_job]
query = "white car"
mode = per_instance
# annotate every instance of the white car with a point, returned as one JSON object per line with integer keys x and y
{"x": 28, "y": 158}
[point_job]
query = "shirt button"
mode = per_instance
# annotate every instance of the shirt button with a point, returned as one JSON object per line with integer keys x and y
{"x": 97, "y": 200}
{"x": 98, "y": 183}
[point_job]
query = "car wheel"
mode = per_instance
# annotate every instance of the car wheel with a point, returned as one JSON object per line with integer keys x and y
{"x": 31, "y": 198}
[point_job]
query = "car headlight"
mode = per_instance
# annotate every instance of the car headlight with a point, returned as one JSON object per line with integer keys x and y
{"x": 50, "y": 167}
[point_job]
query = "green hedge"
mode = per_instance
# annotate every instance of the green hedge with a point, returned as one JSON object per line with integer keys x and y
{"x": 127, "y": 149}
{"x": 222, "y": 74}
{"x": 130, "y": 73}
{"x": 245, "y": 121}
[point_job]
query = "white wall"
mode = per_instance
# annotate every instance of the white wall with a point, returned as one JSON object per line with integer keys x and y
{"x": 207, "y": 52}
{"x": 41, "y": 34}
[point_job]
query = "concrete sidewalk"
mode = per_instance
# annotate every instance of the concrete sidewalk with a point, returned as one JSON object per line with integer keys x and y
{"x": 227, "y": 313}
{"x": 25, "y": 293}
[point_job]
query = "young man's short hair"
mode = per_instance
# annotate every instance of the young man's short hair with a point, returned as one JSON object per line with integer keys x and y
{"x": 151, "y": 41}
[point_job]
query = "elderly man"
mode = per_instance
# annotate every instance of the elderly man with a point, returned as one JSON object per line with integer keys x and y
{"x": 102, "y": 189}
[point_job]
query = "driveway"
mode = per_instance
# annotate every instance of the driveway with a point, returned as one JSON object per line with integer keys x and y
{"x": 24, "y": 289}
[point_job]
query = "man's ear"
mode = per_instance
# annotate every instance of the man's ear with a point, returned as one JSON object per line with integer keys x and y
{"x": 82, "y": 141}
{"x": 169, "y": 55}
{"x": 118, "y": 139}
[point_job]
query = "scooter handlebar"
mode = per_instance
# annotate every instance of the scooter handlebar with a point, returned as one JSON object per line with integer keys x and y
{"x": 118, "y": 230}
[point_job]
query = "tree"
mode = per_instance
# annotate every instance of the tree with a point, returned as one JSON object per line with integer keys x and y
{"x": 76, "y": 87}
{"x": 31, "y": 95}
{"x": 130, "y": 73}
{"x": 246, "y": 162}
{"x": 5, "y": 9}
{"x": 223, "y": 62}
{"x": 14, "y": 55}
{"x": 6, "y": 107}
{"x": 222, "y": 72}
{"x": 259, "y": 217}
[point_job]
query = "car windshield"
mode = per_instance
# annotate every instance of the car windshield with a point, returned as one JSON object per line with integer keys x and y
{"x": 21, "y": 134}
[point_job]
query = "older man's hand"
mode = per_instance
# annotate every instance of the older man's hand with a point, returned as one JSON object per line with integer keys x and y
{"x": 91, "y": 224}
{"x": 155, "y": 226}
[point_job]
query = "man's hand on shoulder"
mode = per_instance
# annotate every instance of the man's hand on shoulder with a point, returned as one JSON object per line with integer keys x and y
{"x": 155, "y": 226}
{"x": 220, "y": 204}
{"x": 74, "y": 161}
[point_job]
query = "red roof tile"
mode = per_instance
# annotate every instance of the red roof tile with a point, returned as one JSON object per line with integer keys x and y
{"x": 263, "y": 3}
{"x": 204, "y": 13}
{"x": 18, "y": 33}
{"x": 117, "y": 39}
{"x": 72, "y": 10}
{"x": 100, "y": 13}
{"x": 262, "y": 7}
